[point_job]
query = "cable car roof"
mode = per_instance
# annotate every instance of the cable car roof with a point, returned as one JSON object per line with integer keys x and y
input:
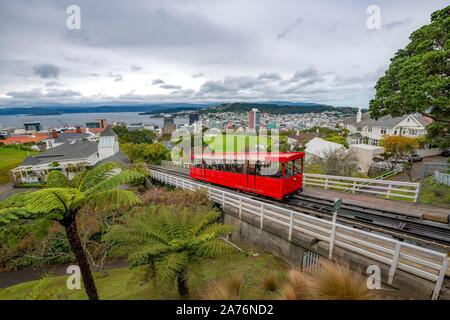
{"x": 252, "y": 156}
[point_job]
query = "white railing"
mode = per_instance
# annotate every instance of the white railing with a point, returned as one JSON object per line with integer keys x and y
{"x": 442, "y": 178}
{"x": 422, "y": 262}
{"x": 386, "y": 188}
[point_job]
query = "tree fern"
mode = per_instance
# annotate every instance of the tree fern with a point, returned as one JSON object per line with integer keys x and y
{"x": 62, "y": 200}
{"x": 169, "y": 237}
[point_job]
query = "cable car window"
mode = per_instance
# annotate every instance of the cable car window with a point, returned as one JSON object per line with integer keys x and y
{"x": 271, "y": 169}
{"x": 297, "y": 166}
{"x": 289, "y": 167}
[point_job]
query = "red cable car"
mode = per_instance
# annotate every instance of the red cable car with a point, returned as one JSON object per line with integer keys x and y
{"x": 275, "y": 175}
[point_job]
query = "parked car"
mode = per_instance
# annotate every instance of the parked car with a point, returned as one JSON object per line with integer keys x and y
{"x": 414, "y": 157}
{"x": 446, "y": 152}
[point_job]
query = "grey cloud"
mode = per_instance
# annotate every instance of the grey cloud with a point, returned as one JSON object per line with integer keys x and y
{"x": 269, "y": 76}
{"x": 39, "y": 94}
{"x": 47, "y": 70}
{"x": 288, "y": 29}
{"x": 117, "y": 76}
{"x": 157, "y": 81}
{"x": 135, "y": 67}
{"x": 169, "y": 86}
{"x": 197, "y": 75}
{"x": 396, "y": 23}
{"x": 53, "y": 84}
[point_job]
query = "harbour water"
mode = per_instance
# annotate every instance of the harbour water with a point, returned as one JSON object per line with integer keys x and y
{"x": 57, "y": 121}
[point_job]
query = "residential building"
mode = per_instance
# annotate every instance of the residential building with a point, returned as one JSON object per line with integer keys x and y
{"x": 23, "y": 139}
{"x": 365, "y": 130}
{"x": 55, "y": 138}
{"x": 300, "y": 139}
{"x": 320, "y": 148}
{"x": 71, "y": 157}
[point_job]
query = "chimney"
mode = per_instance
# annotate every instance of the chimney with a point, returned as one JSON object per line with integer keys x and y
{"x": 77, "y": 129}
{"x": 358, "y": 116}
{"x": 54, "y": 134}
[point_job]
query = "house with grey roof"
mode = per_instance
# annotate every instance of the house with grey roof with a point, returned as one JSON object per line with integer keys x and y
{"x": 71, "y": 157}
{"x": 365, "y": 130}
{"x": 55, "y": 138}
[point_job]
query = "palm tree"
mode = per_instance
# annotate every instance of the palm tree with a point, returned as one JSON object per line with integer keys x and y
{"x": 61, "y": 200}
{"x": 166, "y": 238}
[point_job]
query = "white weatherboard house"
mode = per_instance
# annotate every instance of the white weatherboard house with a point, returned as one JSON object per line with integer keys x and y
{"x": 365, "y": 130}
{"x": 70, "y": 157}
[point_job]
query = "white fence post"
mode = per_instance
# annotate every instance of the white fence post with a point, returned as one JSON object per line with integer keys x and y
{"x": 332, "y": 235}
{"x": 291, "y": 226}
{"x": 440, "y": 279}
{"x": 262, "y": 215}
{"x": 240, "y": 208}
{"x": 394, "y": 263}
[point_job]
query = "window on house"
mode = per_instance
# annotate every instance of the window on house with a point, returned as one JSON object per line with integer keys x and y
{"x": 413, "y": 132}
{"x": 383, "y": 131}
{"x": 369, "y": 128}
{"x": 359, "y": 129}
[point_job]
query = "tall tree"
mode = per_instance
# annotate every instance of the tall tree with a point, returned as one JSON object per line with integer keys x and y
{"x": 417, "y": 79}
{"x": 61, "y": 200}
{"x": 165, "y": 239}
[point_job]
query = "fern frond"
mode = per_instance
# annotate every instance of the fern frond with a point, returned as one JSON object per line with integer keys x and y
{"x": 113, "y": 199}
{"x": 120, "y": 179}
{"x": 7, "y": 215}
{"x": 51, "y": 201}
{"x": 96, "y": 175}
{"x": 56, "y": 179}
{"x": 171, "y": 264}
{"x": 142, "y": 254}
{"x": 213, "y": 249}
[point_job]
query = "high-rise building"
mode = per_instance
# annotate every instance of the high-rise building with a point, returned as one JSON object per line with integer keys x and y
{"x": 193, "y": 117}
{"x": 254, "y": 119}
{"x": 168, "y": 120}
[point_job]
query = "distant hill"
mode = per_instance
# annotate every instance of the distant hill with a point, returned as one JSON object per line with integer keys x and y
{"x": 294, "y": 108}
{"x": 278, "y": 107}
{"x": 58, "y": 110}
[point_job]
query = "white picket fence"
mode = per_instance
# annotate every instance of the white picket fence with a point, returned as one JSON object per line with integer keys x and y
{"x": 442, "y": 178}
{"x": 386, "y": 188}
{"x": 422, "y": 262}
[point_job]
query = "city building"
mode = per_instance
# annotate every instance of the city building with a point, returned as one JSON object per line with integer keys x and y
{"x": 70, "y": 157}
{"x": 254, "y": 119}
{"x": 169, "y": 128}
{"x": 193, "y": 117}
{"x": 32, "y": 126}
{"x": 99, "y": 124}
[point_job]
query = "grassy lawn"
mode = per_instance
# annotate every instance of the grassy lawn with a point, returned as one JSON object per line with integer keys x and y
{"x": 125, "y": 283}
{"x": 236, "y": 142}
{"x": 9, "y": 159}
{"x": 434, "y": 193}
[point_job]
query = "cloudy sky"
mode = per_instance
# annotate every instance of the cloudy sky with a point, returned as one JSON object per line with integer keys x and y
{"x": 142, "y": 51}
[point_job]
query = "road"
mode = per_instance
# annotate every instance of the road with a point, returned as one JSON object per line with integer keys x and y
{"x": 416, "y": 171}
